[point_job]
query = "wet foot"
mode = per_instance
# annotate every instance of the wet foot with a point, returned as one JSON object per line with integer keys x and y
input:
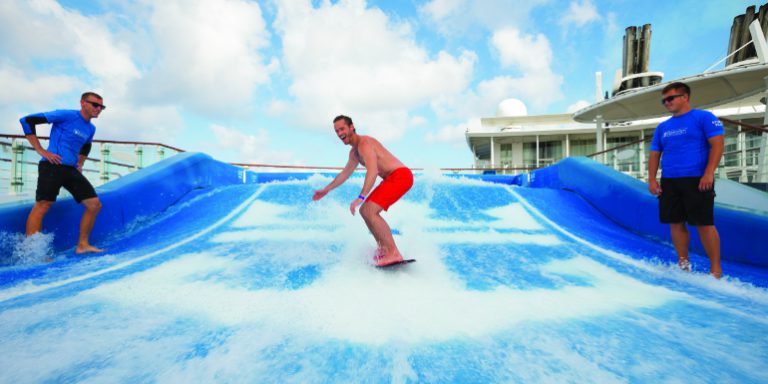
{"x": 87, "y": 249}
{"x": 685, "y": 265}
{"x": 382, "y": 260}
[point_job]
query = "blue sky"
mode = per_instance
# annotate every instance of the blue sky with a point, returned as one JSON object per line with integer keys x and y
{"x": 260, "y": 82}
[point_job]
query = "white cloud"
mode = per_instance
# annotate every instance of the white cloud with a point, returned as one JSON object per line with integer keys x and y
{"x": 43, "y": 29}
{"x": 347, "y": 58}
{"x": 39, "y": 35}
{"x": 125, "y": 120}
{"x": 37, "y": 89}
{"x": 580, "y": 14}
{"x": 277, "y": 107}
{"x": 418, "y": 121}
{"x": 208, "y": 54}
{"x": 581, "y": 104}
{"x": 249, "y": 148}
{"x": 612, "y": 25}
{"x": 453, "y": 134}
{"x": 528, "y": 53}
{"x": 458, "y": 17}
{"x": 530, "y": 57}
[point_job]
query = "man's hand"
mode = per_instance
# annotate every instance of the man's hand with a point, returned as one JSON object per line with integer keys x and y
{"x": 319, "y": 194}
{"x": 654, "y": 187}
{"x": 50, "y": 156}
{"x": 354, "y": 205}
{"x": 80, "y": 167}
{"x": 707, "y": 182}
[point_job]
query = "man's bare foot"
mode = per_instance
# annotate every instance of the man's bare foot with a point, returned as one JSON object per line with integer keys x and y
{"x": 685, "y": 265}
{"x": 382, "y": 260}
{"x": 87, "y": 249}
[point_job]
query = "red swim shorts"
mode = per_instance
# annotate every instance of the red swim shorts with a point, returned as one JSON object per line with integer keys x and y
{"x": 392, "y": 188}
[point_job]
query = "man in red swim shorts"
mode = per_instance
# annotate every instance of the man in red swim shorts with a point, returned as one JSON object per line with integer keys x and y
{"x": 378, "y": 161}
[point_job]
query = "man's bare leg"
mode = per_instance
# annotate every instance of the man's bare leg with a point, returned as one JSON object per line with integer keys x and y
{"x": 36, "y": 215}
{"x": 371, "y": 213}
{"x": 92, "y": 208}
{"x": 710, "y": 239}
{"x": 681, "y": 239}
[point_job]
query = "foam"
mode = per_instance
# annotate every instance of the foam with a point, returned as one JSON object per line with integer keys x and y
{"x": 724, "y": 286}
{"x": 29, "y": 287}
{"x": 35, "y": 249}
{"x": 274, "y": 222}
{"x": 198, "y": 317}
{"x": 357, "y": 303}
{"x": 354, "y": 302}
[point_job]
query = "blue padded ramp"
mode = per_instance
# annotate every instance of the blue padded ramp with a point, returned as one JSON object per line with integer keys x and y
{"x": 137, "y": 195}
{"x": 626, "y": 201}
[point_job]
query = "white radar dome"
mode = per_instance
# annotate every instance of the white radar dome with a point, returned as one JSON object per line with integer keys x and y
{"x": 511, "y": 108}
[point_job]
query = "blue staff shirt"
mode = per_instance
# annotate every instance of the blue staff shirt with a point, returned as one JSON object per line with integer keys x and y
{"x": 69, "y": 133}
{"x": 683, "y": 143}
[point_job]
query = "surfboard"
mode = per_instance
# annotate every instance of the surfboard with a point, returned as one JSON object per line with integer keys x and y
{"x": 395, "y": 264}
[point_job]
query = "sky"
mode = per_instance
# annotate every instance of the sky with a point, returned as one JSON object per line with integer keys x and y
{"x": 261, "y": 81}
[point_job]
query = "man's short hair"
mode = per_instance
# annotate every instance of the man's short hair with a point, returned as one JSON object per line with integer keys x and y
{"x": 94, "y": 94}
{"x": 346, "y": 119}
{"x": 678, "y": 86}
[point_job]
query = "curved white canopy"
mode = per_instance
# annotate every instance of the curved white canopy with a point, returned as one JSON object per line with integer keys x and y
{"x": 707, "y": 90}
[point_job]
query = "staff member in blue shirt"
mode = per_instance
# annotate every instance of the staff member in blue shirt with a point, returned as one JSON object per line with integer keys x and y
{"x": 62, "y": 164}
{"x": 691, "y": 142}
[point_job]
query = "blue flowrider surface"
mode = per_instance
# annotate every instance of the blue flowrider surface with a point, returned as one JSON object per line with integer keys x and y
{"x": 254, "y": 282}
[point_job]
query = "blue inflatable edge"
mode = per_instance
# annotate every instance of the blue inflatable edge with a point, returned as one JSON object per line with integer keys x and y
{"x": 627, "y": 202}
{"x": 152, "y": 190}
{"x": 140, "y": 194}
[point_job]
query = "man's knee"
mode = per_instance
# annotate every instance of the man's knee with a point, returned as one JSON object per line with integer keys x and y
{"x": 92, "y": 205}
{"x": 41, "y": 207}
{"x": 680, "y": 227}
{"x": 368, "y": 210}
{"x": 706, "y": 229}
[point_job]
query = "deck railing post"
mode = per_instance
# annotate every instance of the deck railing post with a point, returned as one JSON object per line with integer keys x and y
{"x": 17, "y": 166}
{"x": 104, "y": 174}
{"x": 139, "y": 157}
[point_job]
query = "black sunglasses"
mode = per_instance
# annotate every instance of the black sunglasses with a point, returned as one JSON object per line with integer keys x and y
{"x": 669, "y": 98}
{"x": 96, "y": 105}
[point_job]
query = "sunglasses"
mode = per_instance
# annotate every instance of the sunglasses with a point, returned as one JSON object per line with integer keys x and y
{"x": 96, "y": 105}
{"x": 669, "y": 98}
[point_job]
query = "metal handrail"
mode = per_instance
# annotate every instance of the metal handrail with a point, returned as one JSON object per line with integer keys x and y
{"x": 102, "y": 141}
{"x": 87, "y": 158}
{"x": 723, "y": 119}
{"x": 745, "y": 125}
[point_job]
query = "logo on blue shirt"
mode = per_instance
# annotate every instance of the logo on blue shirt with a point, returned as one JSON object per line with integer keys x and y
{"x": 80, "y": 133}
{"x": 675, "y": 132}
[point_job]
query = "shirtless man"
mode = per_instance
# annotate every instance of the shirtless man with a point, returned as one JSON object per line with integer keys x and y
{"x": 377, "y": 161}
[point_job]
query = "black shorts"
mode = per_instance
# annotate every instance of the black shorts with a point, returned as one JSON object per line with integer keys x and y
{"x": 51, "y": 177}
{"x": 681, "y": 201}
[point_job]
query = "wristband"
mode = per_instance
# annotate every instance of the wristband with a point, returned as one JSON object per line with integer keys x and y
{"x": 361, "y": 197}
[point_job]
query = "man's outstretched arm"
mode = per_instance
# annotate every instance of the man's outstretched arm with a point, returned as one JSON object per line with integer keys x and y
{"x": 339, "y": 179}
